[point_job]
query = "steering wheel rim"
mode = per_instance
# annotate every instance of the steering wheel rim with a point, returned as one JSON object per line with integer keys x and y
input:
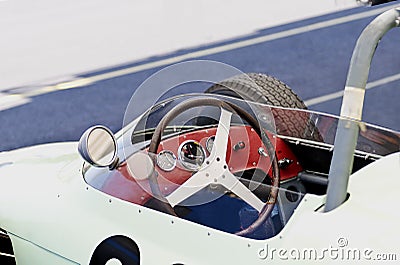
{"x": 230, "y": 107}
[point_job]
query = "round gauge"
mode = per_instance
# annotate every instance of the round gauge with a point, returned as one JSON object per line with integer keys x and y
{"x": 191, "y": 155}
{"x": 210, "y": 143}
{"x": 166, "y": 160}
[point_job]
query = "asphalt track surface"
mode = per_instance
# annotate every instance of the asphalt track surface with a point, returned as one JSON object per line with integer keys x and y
{"x": 311, "y": 56}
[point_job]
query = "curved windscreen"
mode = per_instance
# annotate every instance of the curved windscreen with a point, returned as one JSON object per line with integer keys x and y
{"x": 304, "y": 125}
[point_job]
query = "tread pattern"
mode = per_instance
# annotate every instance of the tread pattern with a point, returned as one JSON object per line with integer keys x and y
{"x": 269, "y": 90}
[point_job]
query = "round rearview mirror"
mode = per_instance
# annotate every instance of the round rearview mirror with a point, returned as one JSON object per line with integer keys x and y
{"x": 98, "y": 147}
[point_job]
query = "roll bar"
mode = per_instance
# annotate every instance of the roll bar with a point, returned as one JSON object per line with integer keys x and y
{"x": 352, "y": 104}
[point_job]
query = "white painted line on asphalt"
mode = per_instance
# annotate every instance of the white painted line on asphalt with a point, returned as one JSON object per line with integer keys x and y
{"x": 322, "y": 99}
{"x": 223, "y": 48}
{"x": 231, "y": 46}
{"x": 338, "y": 94}
{"x": 10, "y": 101}
{"x": 240, "y": 44}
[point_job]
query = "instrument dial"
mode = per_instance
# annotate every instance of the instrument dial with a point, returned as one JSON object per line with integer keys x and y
{"x": 166, "y": 160}
{"x": 191, "y": 155}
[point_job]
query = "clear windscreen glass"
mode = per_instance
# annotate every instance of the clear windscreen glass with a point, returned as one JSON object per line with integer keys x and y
{"x": 285, "y": 122}
{"x": 318, "y": 127}
{"x": 199, "y": 116}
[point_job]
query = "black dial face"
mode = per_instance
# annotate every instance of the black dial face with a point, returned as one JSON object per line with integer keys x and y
{"x": 191, "y": 155}
{"x": 166, "y": 160}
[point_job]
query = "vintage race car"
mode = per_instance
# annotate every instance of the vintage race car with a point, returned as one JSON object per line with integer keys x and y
{"x": 241, "y": 174}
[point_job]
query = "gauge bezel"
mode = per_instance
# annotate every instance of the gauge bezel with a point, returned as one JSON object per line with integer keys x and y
{"x": 208, "y": 141}
{"x": 186, "y": 165}
{"x": 162, "y": 153}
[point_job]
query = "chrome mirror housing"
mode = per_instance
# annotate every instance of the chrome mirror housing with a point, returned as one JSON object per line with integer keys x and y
{"x": 98, "y": 147}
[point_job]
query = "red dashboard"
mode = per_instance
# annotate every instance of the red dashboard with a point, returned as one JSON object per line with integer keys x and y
{"x": 242, "y": 154}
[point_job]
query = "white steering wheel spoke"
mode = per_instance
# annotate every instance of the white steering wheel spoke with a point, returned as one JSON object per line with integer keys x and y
{"x": 214, "y": 167}
{"x": 215, "y": 170}
{"x": 221, "y": 138}
{"x": 191, "y": 186}
{"x": 229, "y": 181}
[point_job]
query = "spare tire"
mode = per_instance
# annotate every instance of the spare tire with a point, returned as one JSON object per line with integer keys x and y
{"x": 269, "y": 90}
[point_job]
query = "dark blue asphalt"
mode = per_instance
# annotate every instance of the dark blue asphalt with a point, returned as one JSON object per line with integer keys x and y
{"x": 313, "y": 64}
